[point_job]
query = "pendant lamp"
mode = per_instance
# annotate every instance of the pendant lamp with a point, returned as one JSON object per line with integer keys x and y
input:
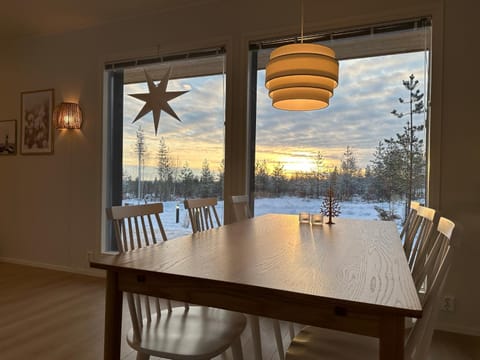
{"x": 301, "y": 76}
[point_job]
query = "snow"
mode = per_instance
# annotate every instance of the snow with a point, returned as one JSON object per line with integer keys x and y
{"x": 281, "y": 205}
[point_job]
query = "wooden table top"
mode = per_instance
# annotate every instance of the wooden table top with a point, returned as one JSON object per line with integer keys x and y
{"x": 353, "y": 262}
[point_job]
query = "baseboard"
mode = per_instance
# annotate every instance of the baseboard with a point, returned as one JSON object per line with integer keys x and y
{"x": 453, "y": 328}
{"x": 80, "y": 271}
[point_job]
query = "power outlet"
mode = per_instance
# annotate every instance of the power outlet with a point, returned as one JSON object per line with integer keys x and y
{"x": 448, "y": 303}
{"x": 89, "y": 256}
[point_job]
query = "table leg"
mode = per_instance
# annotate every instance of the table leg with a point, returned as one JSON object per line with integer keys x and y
{"x": 392, "y": 330}
{"x": 113, "y": 318}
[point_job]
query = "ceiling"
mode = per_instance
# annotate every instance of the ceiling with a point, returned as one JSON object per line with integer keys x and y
{"x": 28, "y": 18}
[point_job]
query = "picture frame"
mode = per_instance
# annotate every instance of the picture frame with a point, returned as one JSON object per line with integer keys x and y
{"x": 37, "y": 131}
{"x": 8, "y": 137}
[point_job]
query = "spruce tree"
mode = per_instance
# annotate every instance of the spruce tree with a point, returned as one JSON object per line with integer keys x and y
{"x": 206, "y": 180}
{"x": 349, "y": 169}
{"x": 165, "y": 171}
{"x": 261, "y": 177}
{"x": 140, "y": 150}
{"x": 187, "y": 179}
{"x": 318, "y": 173}
{"x": 278, "y": 179}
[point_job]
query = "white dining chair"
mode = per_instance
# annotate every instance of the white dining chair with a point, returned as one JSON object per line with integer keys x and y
{"x": 314, "y": 343}
{"x": 185, "y": 332}
{"x": 429, "y": 255}
{"x": 202, "y": 213}
{"x": 241, "y": 211}
{"x": 410, "y": 225}
{"x": 425, "y": 219}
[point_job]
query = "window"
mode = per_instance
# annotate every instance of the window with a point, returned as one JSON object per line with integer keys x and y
{"x": 185, "y": 158}
{"x": 369, "y": 145}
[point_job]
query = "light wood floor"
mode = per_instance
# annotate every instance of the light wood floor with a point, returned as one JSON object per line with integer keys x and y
{"x": 53, "y": 315}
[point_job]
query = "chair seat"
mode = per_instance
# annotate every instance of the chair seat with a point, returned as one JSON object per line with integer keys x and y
{"x": 197, "y": 333}
{"x": 314, "y": 343}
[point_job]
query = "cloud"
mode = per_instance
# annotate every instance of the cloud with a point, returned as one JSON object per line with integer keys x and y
{"x": 358, "y": 116}
{"x": 359, "y": 112}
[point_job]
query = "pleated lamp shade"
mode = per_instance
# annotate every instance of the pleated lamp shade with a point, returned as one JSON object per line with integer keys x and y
{"x": 68, "y": 116}
{"x": 301, "y": 76}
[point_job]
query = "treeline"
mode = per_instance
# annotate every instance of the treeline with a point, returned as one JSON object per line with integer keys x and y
{"x": 384, "y": 179}
{"x": 178, "y": 183}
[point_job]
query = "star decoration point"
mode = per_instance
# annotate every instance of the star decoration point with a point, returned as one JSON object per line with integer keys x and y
{"x": 157, "y": 99}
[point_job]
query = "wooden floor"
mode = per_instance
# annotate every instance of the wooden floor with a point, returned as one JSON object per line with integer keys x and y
{"x": 53, "y": 315}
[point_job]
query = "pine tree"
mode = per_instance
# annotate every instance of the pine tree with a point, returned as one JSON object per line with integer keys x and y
{"x": 333, "y": 180}
{"x": 140, "y": 149}
{"x": 300, "y": 184}
{"x": 261, "y": 177}
{"x": 165, "y": 171}
{"x": 318, "y": 173}
{"x": 388, "y": 170}
{"x": 349, "y": 169}
{"x": 206, "y": 180}
{"x": 278, "y": 179}
{"x": 409, "y": 139}
{"x": 187, "y": 179}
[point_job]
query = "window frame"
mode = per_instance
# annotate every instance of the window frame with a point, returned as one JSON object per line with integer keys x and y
{"x": 114, "y": 81}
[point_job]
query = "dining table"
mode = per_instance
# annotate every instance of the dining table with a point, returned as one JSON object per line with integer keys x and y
{"x": 350, "y": 276}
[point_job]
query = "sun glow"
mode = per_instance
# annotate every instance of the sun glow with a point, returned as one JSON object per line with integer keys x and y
{"x": 297, "y": 163}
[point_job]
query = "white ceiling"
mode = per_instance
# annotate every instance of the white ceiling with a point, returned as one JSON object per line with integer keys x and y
{"x": 26, "y": 18}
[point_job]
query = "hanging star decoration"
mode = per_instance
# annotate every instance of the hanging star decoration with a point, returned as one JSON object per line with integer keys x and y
{"x": 157, "y": 99}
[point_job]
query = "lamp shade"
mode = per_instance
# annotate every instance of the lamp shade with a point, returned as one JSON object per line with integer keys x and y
{"x": 301, "y": 76}
{"x": 68, "y": 116}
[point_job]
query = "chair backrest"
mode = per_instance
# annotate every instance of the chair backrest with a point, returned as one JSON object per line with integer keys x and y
{"x": 425, "y": 265}
{"x": 409, "y": 225}
{"x": 436, "y": 268}
{"x": 423, "y": 227}
{"x": 138, "y": 226}
{"x": 202, "y": 213}
{"x": 241, "y": 210}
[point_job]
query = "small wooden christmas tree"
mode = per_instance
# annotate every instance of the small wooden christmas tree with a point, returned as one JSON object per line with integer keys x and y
{"x": 330, "y": 206}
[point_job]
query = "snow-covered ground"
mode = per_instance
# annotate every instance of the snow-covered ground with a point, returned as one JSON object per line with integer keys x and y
{"x": 282, "y": 205}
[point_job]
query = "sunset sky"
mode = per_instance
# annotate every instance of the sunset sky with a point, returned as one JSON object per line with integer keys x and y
{"x": 358, "y": 116}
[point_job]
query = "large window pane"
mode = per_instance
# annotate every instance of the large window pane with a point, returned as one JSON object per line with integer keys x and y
{"x": 356, "y": 146}
{"x": 185, "y": 158}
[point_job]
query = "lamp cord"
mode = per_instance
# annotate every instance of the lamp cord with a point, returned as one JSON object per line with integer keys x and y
{"x": 301, "y": 22}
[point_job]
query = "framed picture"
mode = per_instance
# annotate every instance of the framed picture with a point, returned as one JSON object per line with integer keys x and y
{"x": 8, "y": 137}
{"x": 36, "y": 122}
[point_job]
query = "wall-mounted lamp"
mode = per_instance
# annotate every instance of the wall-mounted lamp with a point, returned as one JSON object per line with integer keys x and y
{"x": 68, "y": 116}
{"x": 301, "y": 76}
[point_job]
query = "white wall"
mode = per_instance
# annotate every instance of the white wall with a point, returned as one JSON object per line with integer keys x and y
{"x": 51, "y": 206}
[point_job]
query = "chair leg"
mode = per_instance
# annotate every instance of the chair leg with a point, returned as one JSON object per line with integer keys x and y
{"x": 237, "y": 349}
{"x": 278, "y": 338}
{"x": 256, "y": 340}
{"x": 142, "y": 356}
